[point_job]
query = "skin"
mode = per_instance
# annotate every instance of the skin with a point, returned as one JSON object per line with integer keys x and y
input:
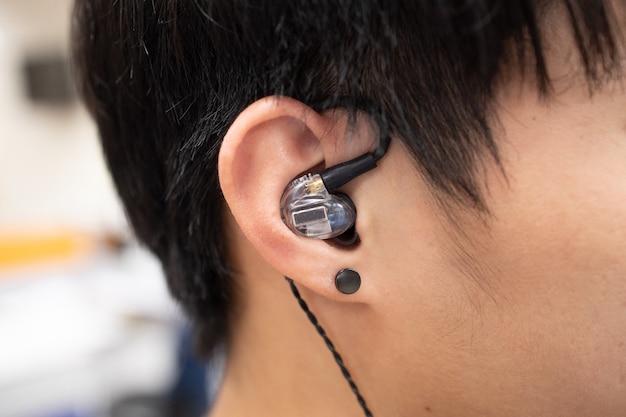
{"x": 521, "y": 312}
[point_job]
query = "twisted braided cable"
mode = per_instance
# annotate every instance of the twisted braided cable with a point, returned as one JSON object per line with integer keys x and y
{"x": 331, "y": 347}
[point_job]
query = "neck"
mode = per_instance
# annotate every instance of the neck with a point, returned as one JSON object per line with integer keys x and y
{"x": 278, "y": 365}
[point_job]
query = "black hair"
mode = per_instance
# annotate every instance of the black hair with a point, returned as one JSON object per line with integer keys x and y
{"x": 164, "y": 79}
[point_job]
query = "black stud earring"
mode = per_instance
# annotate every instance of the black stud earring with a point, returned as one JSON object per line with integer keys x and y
{"x": 348, "y": 281}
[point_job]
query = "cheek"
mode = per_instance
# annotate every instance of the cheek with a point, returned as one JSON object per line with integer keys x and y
{"x": 558, "y": 244}
{"x": 562, "y": 209}
{"x": 410, "y": 282}
{"x": 563, "y": 212}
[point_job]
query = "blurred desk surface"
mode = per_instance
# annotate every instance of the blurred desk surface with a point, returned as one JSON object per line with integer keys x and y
{"x": 75, "y": 337}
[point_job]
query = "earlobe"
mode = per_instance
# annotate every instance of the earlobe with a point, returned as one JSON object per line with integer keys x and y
{"x": 272, "y": 142}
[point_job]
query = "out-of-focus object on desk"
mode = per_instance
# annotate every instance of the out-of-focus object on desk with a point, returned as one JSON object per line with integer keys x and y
{"x": 47, "y": 79}
{"x": 30, "y": 248}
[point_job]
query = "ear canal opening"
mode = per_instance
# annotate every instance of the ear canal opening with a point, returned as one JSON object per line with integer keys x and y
{"x": 349, "y": 238}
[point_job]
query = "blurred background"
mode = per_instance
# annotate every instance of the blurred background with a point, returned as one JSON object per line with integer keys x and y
{"x": 87, "y": 328}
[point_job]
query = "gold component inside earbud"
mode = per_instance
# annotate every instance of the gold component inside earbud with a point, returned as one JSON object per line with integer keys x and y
{"x": 314, "y": 185}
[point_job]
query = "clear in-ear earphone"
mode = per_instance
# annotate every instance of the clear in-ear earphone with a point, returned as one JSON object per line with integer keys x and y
{"x": 309, "y": 210}
{"x": 310, "y": 207}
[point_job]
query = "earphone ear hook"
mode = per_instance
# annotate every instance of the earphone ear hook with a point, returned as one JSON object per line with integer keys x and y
{"x": 308, "y": 205}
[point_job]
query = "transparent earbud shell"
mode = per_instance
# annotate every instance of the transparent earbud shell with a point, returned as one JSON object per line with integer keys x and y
{"x": 309, "y": 210}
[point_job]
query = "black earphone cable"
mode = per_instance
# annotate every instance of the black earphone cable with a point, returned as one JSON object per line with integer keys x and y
{"x": 331, "y": 347}
{"x": 338, "y": 175}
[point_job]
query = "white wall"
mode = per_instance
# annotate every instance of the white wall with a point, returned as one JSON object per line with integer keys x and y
{"x": 51, "y": 168}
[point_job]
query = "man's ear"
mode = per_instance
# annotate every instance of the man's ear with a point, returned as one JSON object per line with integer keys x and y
{"x": 272, "y": 142}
